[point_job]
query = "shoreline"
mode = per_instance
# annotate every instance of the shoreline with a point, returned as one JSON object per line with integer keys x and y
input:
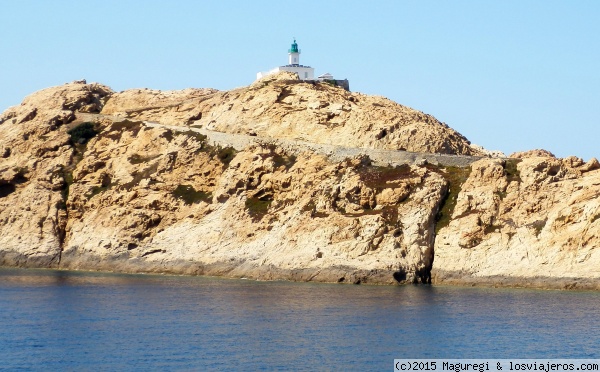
{"x": 332, "y": 275}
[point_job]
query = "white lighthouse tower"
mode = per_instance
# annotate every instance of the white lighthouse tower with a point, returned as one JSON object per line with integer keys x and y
{"x": 304, "y": 72}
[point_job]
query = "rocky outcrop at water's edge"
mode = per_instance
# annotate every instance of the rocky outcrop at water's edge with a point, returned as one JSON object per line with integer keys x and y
{"x": 86, "y": 183}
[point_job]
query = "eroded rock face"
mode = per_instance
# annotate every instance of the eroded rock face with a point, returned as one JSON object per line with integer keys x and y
{"x": 161, "y": 201}
{"x": 281, "y": 106}
{"x": 533, "y": 222}
{"x": 167, "y": 107}
{"x": 537, "y": 153}
{"x": 136, "y": 198}
{"x": 35, "y": 150}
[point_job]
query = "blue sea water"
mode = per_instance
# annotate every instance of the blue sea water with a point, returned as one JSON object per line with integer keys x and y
{"x": 60, "y": 320}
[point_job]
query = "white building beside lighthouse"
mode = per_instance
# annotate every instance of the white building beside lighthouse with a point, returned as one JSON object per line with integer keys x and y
{"x": 304, "y": 72}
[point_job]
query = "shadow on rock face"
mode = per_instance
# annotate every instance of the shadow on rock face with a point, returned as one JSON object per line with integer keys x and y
{"x": 6, "y": 190}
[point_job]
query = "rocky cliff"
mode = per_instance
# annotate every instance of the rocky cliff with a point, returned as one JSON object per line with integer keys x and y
{"x": 528, "y": 222}
{"x": 86, "y": 184}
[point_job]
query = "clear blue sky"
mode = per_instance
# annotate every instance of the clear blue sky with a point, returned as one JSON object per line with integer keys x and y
{"x": 510, "y": 75}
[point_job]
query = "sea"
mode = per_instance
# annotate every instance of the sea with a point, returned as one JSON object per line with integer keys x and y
{"x": 54, "y": 320}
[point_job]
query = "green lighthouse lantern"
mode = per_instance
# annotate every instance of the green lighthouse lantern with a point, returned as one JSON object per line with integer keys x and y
{"x": 294, "y": 54}
{"x": 294, "y": 48}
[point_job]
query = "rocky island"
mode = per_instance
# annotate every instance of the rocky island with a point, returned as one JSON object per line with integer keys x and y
{"x": 284, "y": 179}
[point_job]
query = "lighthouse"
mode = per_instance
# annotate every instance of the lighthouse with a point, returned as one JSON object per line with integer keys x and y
{"x": 304, "y": 72}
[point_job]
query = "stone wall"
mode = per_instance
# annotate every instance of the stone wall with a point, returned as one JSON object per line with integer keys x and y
{"x": 335, "y": 153}
{"x": 343, "y": 83}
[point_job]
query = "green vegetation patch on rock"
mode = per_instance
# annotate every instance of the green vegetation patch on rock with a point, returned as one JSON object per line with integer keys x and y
{"x": 138, "y": 159}
{"x": 224, "y": 154}
{"x": 189, "y": 195}
{"x": 82, "y": 133}
{"x": 257, "y": 207}
{"x": 66, "y": 173}
{"x": 195, "y": 135}
{"x": 511, "y": 171}
{"x": 455, "y": 176}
